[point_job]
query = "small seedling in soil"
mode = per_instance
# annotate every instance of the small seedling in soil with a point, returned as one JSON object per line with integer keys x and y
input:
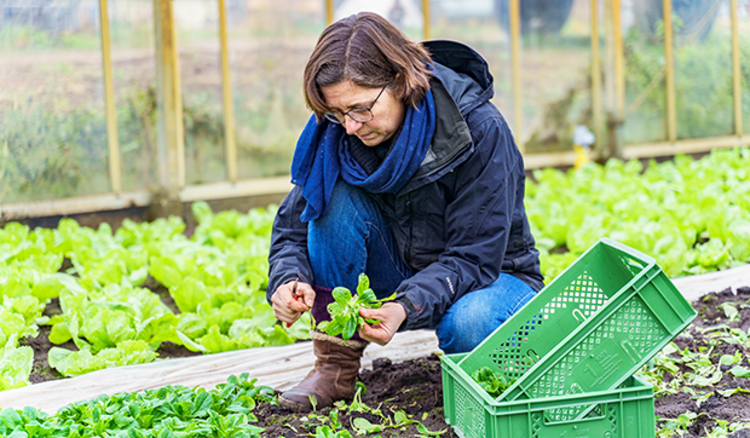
{"x": 344, "y": 311}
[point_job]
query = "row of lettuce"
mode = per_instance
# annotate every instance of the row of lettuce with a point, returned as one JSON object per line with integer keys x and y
{"x": 693, "y": 216}
{"x": 167, "y": 412}
{"x": 216, "y": 278}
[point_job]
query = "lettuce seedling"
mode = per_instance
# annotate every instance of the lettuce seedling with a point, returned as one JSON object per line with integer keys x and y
{"x": 491, "y": 381}
{"x": 344, "y": 311}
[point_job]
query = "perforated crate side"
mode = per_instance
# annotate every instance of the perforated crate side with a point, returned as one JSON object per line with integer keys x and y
{"x": 559, "y": 309}
{"x": 612, "y": 345}
{"x": 625, "y": 412}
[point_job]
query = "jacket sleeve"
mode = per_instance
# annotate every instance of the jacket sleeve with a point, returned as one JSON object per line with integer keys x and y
{"x": 288, "y": 258}
{"x": 478, "y": 221}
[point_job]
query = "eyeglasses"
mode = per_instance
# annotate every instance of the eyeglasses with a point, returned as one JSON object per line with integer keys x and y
{"x": 361, "y": 115}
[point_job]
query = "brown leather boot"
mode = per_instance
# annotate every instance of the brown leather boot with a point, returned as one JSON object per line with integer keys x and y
{"x": 332, "y": 379}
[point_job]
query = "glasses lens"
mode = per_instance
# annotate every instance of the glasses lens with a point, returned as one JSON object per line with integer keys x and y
{"x": 333, "y": 118}
{"x": 361, "y": 115}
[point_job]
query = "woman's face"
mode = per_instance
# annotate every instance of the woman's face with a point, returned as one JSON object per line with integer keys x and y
{"x": 388, "y": 112}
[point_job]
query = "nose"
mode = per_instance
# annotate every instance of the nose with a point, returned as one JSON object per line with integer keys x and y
{"x": 351, "y": 125}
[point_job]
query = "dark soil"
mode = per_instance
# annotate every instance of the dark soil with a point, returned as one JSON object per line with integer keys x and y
{"x": 733, "y": 409}
{"x": 42, "y": 372}
{"x": 415, "y": 386}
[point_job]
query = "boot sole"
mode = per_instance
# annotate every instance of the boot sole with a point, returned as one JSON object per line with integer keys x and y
{"x": 293, "y": 405}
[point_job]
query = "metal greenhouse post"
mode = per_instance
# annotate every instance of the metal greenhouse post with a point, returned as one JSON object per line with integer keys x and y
{"x": 170, "y": 133}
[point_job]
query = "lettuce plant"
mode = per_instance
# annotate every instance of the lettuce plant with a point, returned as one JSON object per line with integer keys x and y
{"x": 344, "y": 311}
{"x": 491, "y": 381}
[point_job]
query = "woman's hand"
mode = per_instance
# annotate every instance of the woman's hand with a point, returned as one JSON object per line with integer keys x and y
{"x": 288, "y": 306}
{"x": 391, "y": 315}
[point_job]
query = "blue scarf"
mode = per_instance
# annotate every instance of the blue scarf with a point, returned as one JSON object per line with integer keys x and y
{"x": 323, "y": 154}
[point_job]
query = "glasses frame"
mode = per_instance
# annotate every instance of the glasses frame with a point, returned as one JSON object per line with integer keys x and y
{"x": 333, "y": 117}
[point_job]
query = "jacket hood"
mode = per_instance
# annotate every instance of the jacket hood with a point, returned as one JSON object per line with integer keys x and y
{"x": 464, "y": 73}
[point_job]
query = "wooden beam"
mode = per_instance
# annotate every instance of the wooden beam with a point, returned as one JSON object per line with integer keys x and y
{"x": 692, "y": 146}
{"x": 69, "y": 206}
{"x": 669, "y": 66}
{"x": 170, "y": 131}
{"x": 329, "y": 12}
{"x": 736, "y": 72}
{"x": 641, "y": 150}
{"x": 514, "y": 11}
{"x": 230, "y": 142}
{"x": 224, "y": 190}
{"x": 596, "y": 77}
{"x": 113, "y": 157}
{"x": 619, "y": 59}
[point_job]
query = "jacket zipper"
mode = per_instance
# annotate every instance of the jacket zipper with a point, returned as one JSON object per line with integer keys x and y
{"x": 407, "y": 253}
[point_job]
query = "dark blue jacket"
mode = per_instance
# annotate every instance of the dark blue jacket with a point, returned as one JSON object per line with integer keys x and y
{"x": 460, "y": 220}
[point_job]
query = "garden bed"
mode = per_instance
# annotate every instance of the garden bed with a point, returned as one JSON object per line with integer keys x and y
{"x": 702, "y": 385}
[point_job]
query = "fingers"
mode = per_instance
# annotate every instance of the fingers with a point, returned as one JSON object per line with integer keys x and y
{"x": 391, "y": 315}
{"x": 283, "y": 316}
{"x": 375, "y": 333}
{"x": 286, "y": 306}
{"x": 307, "y": 293}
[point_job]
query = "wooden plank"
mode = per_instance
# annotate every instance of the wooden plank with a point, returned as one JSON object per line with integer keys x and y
{"x": 225, "y": 189}
{"x": 691, "y": 146}
{"x": 77, "y": 205}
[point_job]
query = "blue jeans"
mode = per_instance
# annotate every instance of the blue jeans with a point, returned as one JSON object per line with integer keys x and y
{"x": 353, "y": 237}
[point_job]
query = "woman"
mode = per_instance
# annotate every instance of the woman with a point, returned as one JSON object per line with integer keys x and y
{"x": 408, "y": 173}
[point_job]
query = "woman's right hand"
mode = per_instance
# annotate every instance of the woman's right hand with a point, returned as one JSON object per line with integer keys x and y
{"x": 288, "y": 306}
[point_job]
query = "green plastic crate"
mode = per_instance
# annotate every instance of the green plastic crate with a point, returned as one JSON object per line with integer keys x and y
{"x": 588, "y": 330}
{"x": 625, "y": 412}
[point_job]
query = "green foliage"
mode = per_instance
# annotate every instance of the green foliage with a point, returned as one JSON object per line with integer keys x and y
{"x": 46, "y": 154}
{"x": 170, "y": 411}
{"x": 703, "y": 86}
{"x": 55, "y": 151}
{"x": 344, "y": 311}
{"x": 491, "y": 381}
{"x": 217, "y": 278}
{"x": 693, "y": 216}
{"x": 15, "y": 364}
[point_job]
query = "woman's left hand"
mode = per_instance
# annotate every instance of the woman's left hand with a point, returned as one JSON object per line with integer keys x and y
{"x": 391, "y": 315}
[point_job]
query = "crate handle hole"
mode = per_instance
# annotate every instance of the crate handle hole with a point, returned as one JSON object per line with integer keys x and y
{"x": 635, "y": 264}
{"x": 533, "y": 356}
{"x": 579, "y": 316}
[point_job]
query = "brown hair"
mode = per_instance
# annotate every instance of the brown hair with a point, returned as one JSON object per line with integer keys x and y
{"x": 371, "y": 52}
